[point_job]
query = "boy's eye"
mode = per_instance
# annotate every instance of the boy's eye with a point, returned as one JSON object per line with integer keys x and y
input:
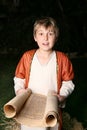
{"x": 51, "y": 33}
{"x": 40, "y": 34}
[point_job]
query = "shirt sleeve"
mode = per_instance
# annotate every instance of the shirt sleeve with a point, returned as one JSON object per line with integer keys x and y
{"x": 67, "y": 88}
{"x": 18, "y": 83}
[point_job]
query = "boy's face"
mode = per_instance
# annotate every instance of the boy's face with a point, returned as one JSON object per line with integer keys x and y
{"x": 45, "y": 38}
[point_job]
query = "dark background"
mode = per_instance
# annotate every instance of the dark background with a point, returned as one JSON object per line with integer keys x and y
{"x": 17, "y": 18}
{"x": 16, "y": 27}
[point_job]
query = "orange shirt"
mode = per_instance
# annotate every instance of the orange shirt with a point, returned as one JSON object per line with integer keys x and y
{"x": 64, "y": 67}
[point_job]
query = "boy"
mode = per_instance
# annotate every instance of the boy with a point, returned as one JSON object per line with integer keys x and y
{"x": 44, "y": 68}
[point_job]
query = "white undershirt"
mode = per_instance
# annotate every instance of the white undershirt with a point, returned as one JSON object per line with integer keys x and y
{"x": 43, "y": 77}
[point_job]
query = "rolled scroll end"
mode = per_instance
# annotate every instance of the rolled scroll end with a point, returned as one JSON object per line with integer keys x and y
{"x": 9, "y": 111}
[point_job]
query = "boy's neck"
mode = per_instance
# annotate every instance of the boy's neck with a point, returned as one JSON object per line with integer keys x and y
{"x": 44, "y": 56}
{"x": 44, "y": 53}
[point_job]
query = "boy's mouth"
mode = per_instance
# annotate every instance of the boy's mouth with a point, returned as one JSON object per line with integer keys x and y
{"x": 45, "y": 44}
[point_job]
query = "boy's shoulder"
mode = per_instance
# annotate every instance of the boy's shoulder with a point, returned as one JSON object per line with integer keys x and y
{"x": 61, "y": 54}
{"x": 62, "y": 57}
{"x": 29, "y": 52}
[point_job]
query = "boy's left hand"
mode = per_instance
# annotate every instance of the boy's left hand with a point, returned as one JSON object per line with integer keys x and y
{"x": 60, "y": 98}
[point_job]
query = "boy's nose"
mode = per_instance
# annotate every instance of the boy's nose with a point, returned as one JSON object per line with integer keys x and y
{"x": 46, "y": 37}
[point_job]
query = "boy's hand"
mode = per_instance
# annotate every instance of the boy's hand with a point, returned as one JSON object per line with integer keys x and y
{"x": 60, "y": 98}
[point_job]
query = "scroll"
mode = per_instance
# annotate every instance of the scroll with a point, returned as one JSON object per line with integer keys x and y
{"x": 33, "y": 109}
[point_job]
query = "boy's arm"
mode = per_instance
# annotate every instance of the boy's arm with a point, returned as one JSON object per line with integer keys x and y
{"x": 19, "y": 79}
{"x": 67, "y": 88}
{"x": 19, "y": 85}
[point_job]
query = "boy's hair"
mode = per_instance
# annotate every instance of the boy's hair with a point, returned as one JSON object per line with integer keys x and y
{"x": 46, "y": 22}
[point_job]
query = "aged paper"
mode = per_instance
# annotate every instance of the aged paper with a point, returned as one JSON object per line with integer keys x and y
{"x": 33, "y": 109}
